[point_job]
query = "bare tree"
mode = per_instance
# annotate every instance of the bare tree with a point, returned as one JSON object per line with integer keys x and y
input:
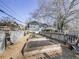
{"x": 62, "y": 11}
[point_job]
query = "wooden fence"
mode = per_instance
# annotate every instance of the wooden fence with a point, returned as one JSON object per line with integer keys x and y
{"x": 70, "y": 39}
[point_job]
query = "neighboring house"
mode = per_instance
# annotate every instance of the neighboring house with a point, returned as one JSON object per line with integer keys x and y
{"x": 74, "y": 32}
{"x": 4, "y": 28}
{"x": 35, "y": 26}
{"x": 50, "y": 29}
{"x": 44, "y": 26}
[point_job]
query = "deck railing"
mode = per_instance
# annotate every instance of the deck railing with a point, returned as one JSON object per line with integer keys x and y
{"x": 70, "y": 39}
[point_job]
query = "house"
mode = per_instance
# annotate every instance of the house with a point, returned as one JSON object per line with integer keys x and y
{"x": 4, "y": 28}
{"x": 44, "y": 25}
{"x": 35, "y": 26}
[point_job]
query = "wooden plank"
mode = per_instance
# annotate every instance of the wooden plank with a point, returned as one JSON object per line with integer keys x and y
{"x": 44, "y": 49}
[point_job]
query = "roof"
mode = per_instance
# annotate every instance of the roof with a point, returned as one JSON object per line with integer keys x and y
{"x": 34, "y": 23}
{"x": 44, "y": 25}
{"x": 38, "y": 23}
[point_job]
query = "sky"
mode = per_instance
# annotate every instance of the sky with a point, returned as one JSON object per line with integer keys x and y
{"x": 22, "y": 8}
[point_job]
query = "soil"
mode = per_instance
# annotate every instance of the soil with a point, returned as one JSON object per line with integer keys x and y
{"x": 14, "y": 51}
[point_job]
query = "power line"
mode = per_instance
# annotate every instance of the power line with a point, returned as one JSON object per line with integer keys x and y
{"x": 10, "y": 9}
{"x": 5, "y": 8}
{"x": 11, "y": 16}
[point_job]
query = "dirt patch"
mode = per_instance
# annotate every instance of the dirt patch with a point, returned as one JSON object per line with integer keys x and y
{"x": 14, "y": 51}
